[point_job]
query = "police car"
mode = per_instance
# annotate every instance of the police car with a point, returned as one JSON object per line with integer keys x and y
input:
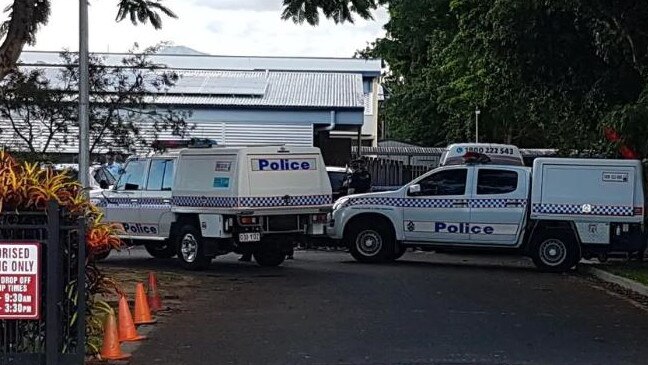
{"x": 483, "y": 196}
{"x": 203, "y": 201}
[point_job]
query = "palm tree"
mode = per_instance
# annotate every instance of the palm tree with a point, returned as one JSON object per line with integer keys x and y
{"x": 340, "y": 11}
{"x": 26, "y": 17}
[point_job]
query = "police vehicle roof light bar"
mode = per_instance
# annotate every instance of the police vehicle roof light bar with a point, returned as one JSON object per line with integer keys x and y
{"x": 475, "y": 157}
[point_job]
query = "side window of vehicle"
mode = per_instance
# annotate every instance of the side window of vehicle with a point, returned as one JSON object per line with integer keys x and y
{"x": 496, "y": 181}
{"x": 98, "y": 175}
{"x": 448, "y": 182}
{"x": 110, "y": 179}
{"x": 133, "y": 176}
{"x": 160, "y": 175}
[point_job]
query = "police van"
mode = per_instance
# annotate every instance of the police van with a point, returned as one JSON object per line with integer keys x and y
{"x": 203, "y": 201}
{"x": 484, "y": 197}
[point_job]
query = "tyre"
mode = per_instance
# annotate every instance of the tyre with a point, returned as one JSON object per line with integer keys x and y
{"x": 161, "y": 250}
{"x": 190, "y": 249}
{"x": 371, "y": 242}
{"x": 555, "y": 252}
{"x": 399, "y": 252}
{"x": 269, "y": 254}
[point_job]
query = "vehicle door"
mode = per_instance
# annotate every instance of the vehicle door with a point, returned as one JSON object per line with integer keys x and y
{"x": 436, "y": 206}
{"x": 155, "y": 202}
{"x": 122, "y": 202}
{"x": 498, "y": 205}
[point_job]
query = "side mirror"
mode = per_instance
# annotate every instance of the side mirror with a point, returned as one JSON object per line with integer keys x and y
{"x": 414, "y": 189}
{"x": 104, "y": 184}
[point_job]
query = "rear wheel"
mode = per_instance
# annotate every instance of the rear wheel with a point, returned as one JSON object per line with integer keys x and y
{"x": 161, "y": 250}
{"x": 555, "y": 252}
{"x": 269, "y": 254}
{"x": 191, "y": 249}
{"x": 371, "y": 242}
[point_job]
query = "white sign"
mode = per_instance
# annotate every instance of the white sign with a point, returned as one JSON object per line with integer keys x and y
{"x": 19, "y": 281}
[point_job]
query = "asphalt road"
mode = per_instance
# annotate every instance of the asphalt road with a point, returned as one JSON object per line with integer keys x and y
{"x": 323, "y": 308}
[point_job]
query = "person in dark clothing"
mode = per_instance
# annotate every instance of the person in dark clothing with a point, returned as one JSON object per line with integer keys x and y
{"x": 359, "y": 181}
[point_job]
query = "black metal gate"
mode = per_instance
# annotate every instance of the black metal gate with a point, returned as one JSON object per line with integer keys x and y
{"x": 59, "y": 336}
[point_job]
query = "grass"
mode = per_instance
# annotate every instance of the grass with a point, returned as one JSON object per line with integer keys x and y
{"x": 637, "y": 271}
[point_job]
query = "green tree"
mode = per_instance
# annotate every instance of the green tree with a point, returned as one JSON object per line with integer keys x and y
{"x": 545, "y": 74}
{"x": 40, "y": 106}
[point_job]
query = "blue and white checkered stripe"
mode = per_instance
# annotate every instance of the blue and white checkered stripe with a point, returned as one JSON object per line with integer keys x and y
{"x": 435, "y": 203}
{"x": 252, "y": 202}
{"x": 142, "y": 203}
{"x": 605, "y": 210}
{"x": 497, "y": 203}
{"x": 293, "y": 201}
{"x": 205, "y": 202}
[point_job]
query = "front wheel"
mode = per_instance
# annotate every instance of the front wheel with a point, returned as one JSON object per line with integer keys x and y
{"x": 191, "y": 249}
{"x": 160, "y": 250}
{"x": 371, "y": 242}
{"x": 399, "y": 252}
{"x": 555, "y": 252}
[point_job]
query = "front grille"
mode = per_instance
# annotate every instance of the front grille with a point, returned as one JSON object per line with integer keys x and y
{"x": 280, "y": 223}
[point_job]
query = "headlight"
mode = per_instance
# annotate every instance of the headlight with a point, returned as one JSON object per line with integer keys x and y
{"x": 340, "y": 202}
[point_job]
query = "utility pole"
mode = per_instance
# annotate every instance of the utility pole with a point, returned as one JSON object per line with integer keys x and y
{"x": 477, "y": 112}
{"x": 84, "y": 96}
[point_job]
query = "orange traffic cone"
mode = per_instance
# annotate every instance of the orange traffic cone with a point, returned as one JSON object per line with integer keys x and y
{"x": 142, "y": 310}
{"x": 127, "y": 331}
{"x": 154, "y": 298}
{"x": 111, "y": 350}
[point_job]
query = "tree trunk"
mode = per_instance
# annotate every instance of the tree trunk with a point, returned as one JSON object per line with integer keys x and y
{"x": 18, "y": 32}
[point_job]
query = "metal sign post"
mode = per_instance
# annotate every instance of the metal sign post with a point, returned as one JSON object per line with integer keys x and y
{"x": 84, "y": 96}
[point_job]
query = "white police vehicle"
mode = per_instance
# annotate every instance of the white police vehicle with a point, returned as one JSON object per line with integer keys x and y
{"x": 483, "y": 197}
{"x": 199, "y": 203}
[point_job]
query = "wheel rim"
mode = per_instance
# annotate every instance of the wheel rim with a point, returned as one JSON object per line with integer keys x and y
{"x": 189, "y": 248}
{"x": 369, "y": 243}
{"x": 553, "y": 252}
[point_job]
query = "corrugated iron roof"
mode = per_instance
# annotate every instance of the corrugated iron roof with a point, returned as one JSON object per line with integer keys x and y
{"x": 284, "y": 89}
{"x": 367, "y": 67}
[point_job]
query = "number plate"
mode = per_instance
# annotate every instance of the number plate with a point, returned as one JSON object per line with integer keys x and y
{"x": 249, "y": 237}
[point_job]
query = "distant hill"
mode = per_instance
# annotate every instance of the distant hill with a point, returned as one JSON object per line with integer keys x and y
{"x": 180, "y": 50}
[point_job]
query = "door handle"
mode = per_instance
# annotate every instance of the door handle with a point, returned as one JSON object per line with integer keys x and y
{"x": 133, "y": 200}
{"x": 166, "y": 201}
{"x": 459, "y": 204}
{"x": 512, "y": 204}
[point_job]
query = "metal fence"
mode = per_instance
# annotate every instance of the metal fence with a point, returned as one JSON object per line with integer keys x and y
{"x": 58, "y": 338}
{"x": 391, "y": 174}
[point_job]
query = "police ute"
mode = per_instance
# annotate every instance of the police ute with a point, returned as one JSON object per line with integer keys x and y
{"x": 203, "y": 201}
{"x": 482, "y": 196}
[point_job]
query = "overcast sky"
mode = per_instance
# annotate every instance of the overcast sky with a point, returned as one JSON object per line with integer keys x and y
{"x": 222, "y": 27}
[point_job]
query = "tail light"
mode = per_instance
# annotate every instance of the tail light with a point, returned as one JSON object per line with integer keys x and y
{"x": 319, "y": 218}
{"x": 638, "y": 211}
{"x": 249, "y": 220}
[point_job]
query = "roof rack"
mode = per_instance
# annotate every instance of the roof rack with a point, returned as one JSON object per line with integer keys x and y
{"x": 191, "y": 143}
